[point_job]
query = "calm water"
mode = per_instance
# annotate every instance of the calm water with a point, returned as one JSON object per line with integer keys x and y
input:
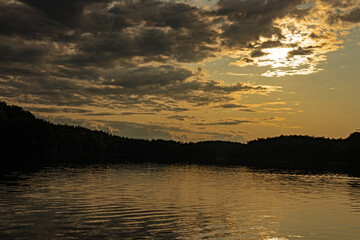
{"x": 177, "y": 202}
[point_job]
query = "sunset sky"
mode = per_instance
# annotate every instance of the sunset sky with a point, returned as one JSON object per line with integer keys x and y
{"x": 185, "y": 70}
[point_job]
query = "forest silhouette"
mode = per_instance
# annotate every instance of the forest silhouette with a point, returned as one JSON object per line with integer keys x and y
{"x": 28, "y": 141}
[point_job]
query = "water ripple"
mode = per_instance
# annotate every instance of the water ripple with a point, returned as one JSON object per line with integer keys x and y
{"x": 177, "y": 202}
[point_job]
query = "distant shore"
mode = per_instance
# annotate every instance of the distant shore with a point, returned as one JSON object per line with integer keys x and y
{"x": 28, "y": 141}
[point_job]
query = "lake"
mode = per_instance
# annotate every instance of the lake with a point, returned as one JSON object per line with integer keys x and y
{"x": 129, "y": 201}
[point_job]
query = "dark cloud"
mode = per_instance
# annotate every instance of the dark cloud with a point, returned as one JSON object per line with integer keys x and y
{"x": 162, "y": 14}
{"x": 152, "y": 30}
{"x": 149, "y": 89}
{"x": 130, "y": 78}
{"x": 179, "y": 117}
{"x": 18, "y": 19}
{"x": 150, "y": 44}
{"x": 247, "y": 60}
{"x": 339, "y": 3}
{"x": 247, "y": 110}
{"x": 240, "y": 34}
{"x": 224, "y": 123}
{"x": 257, "y": 53}
{"x": 231, "y": 105}
{"x": 98, "y": 69}
{"x": 142, "y": 76}
{"x": 120, "y": 114}
{"x": 352, "y": 16}
{"x": 251, "y": 19}
{"x": 67, "y": 12}
{"x": 347, "y": 11}
{"x": 300, "y": 51}
{"x": 101, "y": 114}
{"x": 12, "y": 52}
{"x": 137, "y": 113}
{"x": 271, "y": 44}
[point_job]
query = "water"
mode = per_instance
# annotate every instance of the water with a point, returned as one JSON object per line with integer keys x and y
{"x": 177, "y": 202}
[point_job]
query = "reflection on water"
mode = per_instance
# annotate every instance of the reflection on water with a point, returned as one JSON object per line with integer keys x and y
{"x": 177, "y": 202}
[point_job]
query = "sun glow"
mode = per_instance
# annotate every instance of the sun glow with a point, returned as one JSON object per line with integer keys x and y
{"x": 276, "y": 57}
{"x": 277, "y": 54}
{"x": 300, "y": 58}
{"x": 300, "y": 49}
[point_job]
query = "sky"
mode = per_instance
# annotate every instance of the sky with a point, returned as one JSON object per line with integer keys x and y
{"x": 232, "y": 70}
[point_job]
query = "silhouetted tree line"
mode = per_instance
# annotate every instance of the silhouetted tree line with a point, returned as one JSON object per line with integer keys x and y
{"x": 27, "y": 140}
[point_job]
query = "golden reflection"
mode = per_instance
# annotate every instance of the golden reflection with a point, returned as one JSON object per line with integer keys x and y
{"x": 181, "y": 202}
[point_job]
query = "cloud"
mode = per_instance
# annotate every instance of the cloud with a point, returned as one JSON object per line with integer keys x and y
{"x": 120, "y": 114}
{"x": 352, "y": 16}
{"x": 224, "y": 123}
{"x": 248, "y": 20}
{"x": 101, "y": 53}
{"x": 58, "y": 110}
{"x": 101, "y": 114}
{"x": 231, "y": 105}
{"x": 300, "y": 51}
{"x": 271, "y": 44}
{"x": 21, "y": 20}
{"x": 179, "y": 117}
{"x": 157, "y": 88}
{"x": 239, "y": 74}
{"x": 298, "y": 36}
{"x": 247, "y": 110}
{"x": 342, "y": 13}
{"x": 147, "y": 30}
{"x": 137, "y": 113}
{"x": 86, "y": 39}
{"x": 17, "y": 52}
{"x": 281, "y": 73}
{"x": 257, "y": 53}
{"x": 245, "y": 61}
{"x": 278, "y": 109}
{"x": 273, "y": 119}
{"x": 67, "y": 12}
{"x": 143, "y": 76}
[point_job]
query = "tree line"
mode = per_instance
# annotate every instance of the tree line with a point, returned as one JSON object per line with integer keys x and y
{"x": 26, "y": 141}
